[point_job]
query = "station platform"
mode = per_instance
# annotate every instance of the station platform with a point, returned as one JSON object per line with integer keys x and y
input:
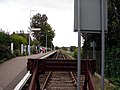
{"x": 13, "y": 70}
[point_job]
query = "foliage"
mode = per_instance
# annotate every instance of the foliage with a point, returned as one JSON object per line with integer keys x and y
{"x": 90, "y": 37}
{"x": 35, "y": 42}
{"x": 56, "y": 47}
{"x": 18, "y": 40}
{"x": 112, "y": 65}
{"x": 40, "y": 21}
{"x": 64, "y": 48}
{"x": 24, "y": 35}
{"x": 115, "y": 81}
{"x": 5, "y": 53}
{"x": 17, "y": 52}
{"x": 5, "y": 39}
{"x": 25, "y": 53}
{"x": 112, "y": 68}
{"x": 72, "y": 48}
{"x": 113, "y": 34}
{"x": 76, "y": 53}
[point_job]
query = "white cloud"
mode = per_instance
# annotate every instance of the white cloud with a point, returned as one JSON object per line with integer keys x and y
{"x": 16, "y": 14}
{"x": 56, "y": 3}
{"x": 13, "y": 17}
{"x": 62, "y": 22}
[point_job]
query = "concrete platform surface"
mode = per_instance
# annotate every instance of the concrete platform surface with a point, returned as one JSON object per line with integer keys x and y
{"x": 12, "y": 71}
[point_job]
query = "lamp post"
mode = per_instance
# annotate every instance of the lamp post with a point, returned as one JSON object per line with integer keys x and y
{"x": 30, "y": 32}
{"x": 29, "y": 41}
{"x": 31, "y": 12}
{"x": 51, "y": 45}
{"x": 46, "y": 39}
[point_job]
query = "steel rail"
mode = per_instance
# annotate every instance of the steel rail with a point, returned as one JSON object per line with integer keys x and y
{"x": 24, "y": 80}
{"x": 64, "y": 56}
{"x": 52, "y": 65}
{"x": 90, "y": 82}
{"x": 56, "y": 55}
{"x": 33, "y": 83}
{"x": 71, "y": 73}
{"x": 73, "y": 77}
{"x": 50, "y": 72}
{"x": 46, "y": 80}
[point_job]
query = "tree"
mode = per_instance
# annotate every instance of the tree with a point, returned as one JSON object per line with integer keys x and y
{"x": 5, "y": 52}
{"x": 5, "y": 42}
{"x": 56, "y": 48}
{"x": 72, "y": 48}
{"x": 112, "y": 41}
{"x": 18, "y": 40}
{"x": 5, "y": 39}
{"x": 40, "y": 21}
{"x": 35, "y": 42}
{"x": 113, "y": 34}
{"x": 64, "y": 48}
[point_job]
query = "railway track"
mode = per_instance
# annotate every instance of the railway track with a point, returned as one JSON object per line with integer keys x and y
{"x": 58, "y": 80}
{"x": 25, "y": 82}
{"x": 57, "y": 72}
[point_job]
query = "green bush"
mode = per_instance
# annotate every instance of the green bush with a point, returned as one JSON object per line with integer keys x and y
{"x": 25, "y": 53}
{"x": 76, "y": 53}
{"x": 5, "y": 53}
{"x": 115, "y": 81}
{"x": 112, "y": 65}
{"x": 17, "y": 52}
{"x": 72, "y": 48}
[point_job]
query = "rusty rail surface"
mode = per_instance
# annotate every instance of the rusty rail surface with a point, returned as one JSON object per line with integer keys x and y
{"x": 51, "y": 70}
{"x": 73, "y": 77}
{"x": 88, "y": 77}
{"x": 33, "y": 84}
{"x": 33, "y": 65}
{"x": 90, "y": 82}
{"x": 39, "y": 66}
{"x": 46, "y": 80}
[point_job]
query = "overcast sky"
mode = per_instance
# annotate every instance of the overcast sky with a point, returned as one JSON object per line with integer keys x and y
{"x": 15, "y": 16}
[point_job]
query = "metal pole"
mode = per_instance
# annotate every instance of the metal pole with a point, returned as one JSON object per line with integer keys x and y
{"x": 94, "y": 50}
{"x": 29, "y": 42}
{"x": 79, "y": 49}
{"x": 51, "y": 45}
{"x": 30, "y": 31}
{"x": 46, "y": 40}
{"x": 103, "y": 45}
{"x": 79, "y": 60}
{"x": 29, "y": 34}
